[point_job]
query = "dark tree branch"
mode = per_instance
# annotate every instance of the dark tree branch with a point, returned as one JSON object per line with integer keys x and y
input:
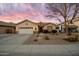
{"x": 75, "y": 13}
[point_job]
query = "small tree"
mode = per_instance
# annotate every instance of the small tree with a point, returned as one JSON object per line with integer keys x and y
{"x": 63, "y": 12}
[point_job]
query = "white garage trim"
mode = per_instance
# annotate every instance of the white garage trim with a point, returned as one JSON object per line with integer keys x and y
{"x": 25, "y": 31}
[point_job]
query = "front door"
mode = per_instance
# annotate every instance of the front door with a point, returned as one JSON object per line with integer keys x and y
{"x": 49, "y": 28}
{"x": 40, "y": 29}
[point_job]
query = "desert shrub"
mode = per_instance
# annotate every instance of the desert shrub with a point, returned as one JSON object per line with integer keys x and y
{"x": 72, "y": 38}
{"x": 69, "y": 34}
{"x": 45, "y": 31}
{"x": 35, "y": 40}
{"x": 54, "y": 31}
{"x": 46, "y": 38}
{"x": 76, "y": 37}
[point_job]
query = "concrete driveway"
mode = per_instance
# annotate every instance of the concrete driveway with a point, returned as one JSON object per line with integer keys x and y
{"x": 13, "y": 39}
{"x": 12, "y": 45}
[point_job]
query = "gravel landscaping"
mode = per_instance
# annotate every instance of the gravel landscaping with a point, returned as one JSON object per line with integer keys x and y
{"x": 52, "y": 39}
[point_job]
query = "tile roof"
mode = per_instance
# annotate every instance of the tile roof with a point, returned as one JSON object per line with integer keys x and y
{"x": 6, "y": 24}
{"x": 42, "y": 23}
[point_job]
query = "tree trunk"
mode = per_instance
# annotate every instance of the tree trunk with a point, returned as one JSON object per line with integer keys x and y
{"x": 66, "y": 27}
{"x": 65, "y": 18}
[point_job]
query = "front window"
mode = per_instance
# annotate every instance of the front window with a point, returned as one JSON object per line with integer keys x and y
{"x": 26, "y": 27}
{"x": 49, "y": 27}
{"x": 57, "y": 27}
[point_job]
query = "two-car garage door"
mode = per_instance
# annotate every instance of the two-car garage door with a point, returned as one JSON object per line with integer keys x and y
{"x": 26, "y": 30}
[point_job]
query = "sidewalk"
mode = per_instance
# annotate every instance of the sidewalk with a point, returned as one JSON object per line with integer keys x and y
{"x": 40, "y": 50}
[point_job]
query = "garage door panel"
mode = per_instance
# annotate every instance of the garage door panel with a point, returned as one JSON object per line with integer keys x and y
{"x": 25, "y": 31}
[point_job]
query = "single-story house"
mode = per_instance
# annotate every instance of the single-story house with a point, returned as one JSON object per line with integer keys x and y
{"x": 49, "y": 27}
{"x": 29, "y": 27}
{"x": 26, "y": 27}
{"x": 61, "y": 27}
{"x": 7, "y": 28}
{"x": 74, "y": 24}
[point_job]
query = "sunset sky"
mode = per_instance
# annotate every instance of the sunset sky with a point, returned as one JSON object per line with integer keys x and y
{"x": 14, "y": 12}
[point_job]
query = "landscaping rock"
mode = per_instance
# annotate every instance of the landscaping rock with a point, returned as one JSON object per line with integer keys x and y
{"x": 71, "y": 38}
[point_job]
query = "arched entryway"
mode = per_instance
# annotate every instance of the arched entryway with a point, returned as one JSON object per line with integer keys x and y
{"x": 40, "y": 29}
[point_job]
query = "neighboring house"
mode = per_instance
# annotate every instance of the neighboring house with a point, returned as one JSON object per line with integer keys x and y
{"x": 76, "y": 22}
{"x": 7, "y": 28}
{"x": 74, "y": 25}
{"x": 61, "y": 27}
{"x": 49, "y": 27}
{"x": 26, "y": 27}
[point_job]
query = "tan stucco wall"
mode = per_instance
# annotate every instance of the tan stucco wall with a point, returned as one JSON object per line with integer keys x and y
{"x": 45, "y": 27}
{"x": 27, "y": 24}
{"x": 3, "y": 30}
{"x": 76, "y": 23}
